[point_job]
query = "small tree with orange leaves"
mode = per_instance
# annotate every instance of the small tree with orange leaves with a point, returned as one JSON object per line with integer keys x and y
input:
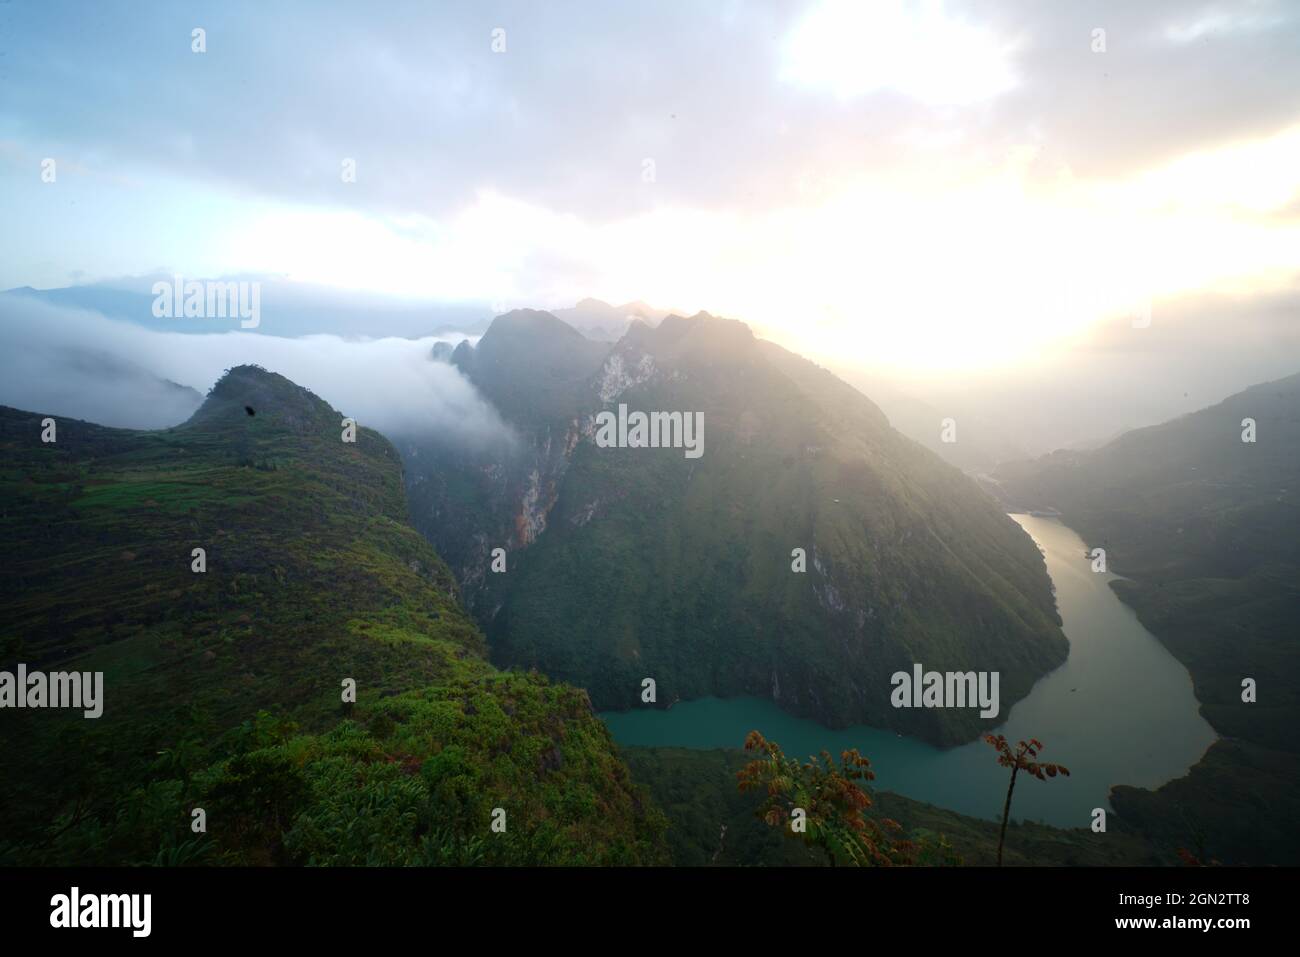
{"x": 832, "y": 802}
{"x": 1021, "y": 759}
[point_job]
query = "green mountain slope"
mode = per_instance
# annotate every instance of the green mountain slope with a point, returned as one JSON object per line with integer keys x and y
{"x": 223, "y": 690}
{"x": 626, "y": 564}
{"x": 1205, "y": 529}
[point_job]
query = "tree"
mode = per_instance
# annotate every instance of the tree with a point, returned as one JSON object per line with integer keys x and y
{"x": 1021, "y": 759}
{"x": 831, "y": 800}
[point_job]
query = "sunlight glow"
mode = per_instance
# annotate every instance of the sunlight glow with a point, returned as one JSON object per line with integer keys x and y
{"x": 852, "y": 49}
{"x": 922, "y": 271}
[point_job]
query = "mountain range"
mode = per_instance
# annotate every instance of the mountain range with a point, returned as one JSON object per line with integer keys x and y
{"x": 222, "y": 686}
{"x": 605, "y": 323}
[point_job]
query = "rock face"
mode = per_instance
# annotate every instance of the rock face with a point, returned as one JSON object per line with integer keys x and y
{"x": 627, "y": 563}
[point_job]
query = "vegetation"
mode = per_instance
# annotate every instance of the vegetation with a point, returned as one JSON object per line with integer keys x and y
{"x": 713, "y": 823}
{"x": 680, "y": 569}
{"x": 223, "y": 689}
{"x": 1021, "y": 758}
{"x": 823, "y": 802}
{"x": 1239, "y": 805}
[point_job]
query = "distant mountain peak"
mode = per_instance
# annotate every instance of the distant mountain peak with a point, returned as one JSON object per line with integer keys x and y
{"x": 602, "y": 322}
{"x": 702, "y": 333}
{"x": 528, "y": 320}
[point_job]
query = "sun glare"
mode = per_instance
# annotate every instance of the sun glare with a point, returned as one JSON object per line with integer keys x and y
{"x": 983, "y": 267}
{"x": 852, "y": 49}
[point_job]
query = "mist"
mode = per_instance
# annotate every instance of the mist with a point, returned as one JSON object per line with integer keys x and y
{"x": 79, "y": 364}
{"x": 1197, "y": 350}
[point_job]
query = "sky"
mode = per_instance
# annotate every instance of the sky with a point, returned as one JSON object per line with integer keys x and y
{"x": 935, "y": 189}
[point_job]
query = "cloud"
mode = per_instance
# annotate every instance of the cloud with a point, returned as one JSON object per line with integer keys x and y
{"x": 873, "y": 186}
{"x": 583, "y": 93}
{"x": 81, "y": 382}
{"x": 854, "y": 49}
{"x": 80, "y": 364}
{"x": 1257, "y": 331}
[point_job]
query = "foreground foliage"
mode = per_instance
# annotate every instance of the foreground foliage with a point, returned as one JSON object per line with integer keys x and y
{"x": 1023, "y": 757}
{"x": 823, "y": 802}
{"x": 713, "y": 823}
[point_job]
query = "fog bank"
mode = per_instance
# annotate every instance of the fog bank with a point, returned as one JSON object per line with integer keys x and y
{"x": 77, "y": 363}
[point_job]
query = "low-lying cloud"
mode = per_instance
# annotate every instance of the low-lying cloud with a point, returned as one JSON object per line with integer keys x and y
{"x": 79, "y": 364}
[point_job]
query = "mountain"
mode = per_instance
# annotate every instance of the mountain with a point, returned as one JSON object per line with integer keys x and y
{"x": 1205, "y": 530}
{"x": 605, "y": 323}
{"x": 533, "y": 366}
{"x": 1204, "y": 527}
{"x": 224, "y": 689}
{"x": 631, "y": 563}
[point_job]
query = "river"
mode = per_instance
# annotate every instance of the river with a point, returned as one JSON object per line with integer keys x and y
{"x": 1119, "y": 711}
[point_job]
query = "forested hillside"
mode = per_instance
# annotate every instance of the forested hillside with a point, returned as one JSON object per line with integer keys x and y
{"x": 633, "y": 563}
{"x": 1201, "y": 517}
{"x": 224, "y": 689}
